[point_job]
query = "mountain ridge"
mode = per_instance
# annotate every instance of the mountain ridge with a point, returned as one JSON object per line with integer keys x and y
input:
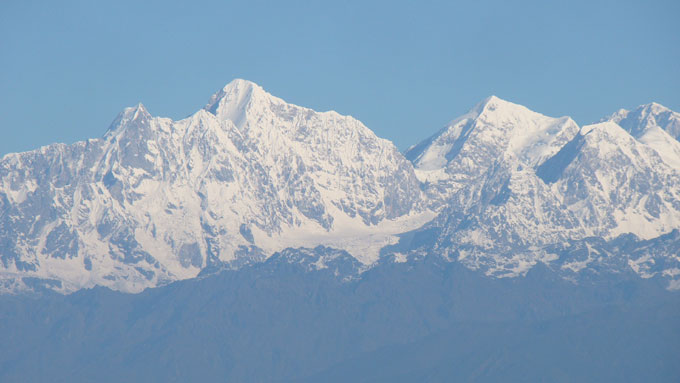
{"x": 506, "y": 206}
{"x": 249, "y": 175}
{"x": 157, "y": 200}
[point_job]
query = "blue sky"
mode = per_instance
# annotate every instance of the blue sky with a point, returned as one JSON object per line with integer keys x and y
{"x": 404, "y": 68}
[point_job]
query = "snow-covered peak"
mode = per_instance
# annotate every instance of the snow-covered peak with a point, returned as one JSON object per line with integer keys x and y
{"x": 238, "y": 99}
{"x": 498, "y": 106}
{"x": 654, "y": 108}
{"x": 274, "y": 124}
{"x": 654, "y": 125}
{"x": 647, "y": 117}
{"x": 493, "y": 128}
{"x": 609, "y": 139}
{"x": 607, "y": 127}
{"x": 490, "y": 103}
{"x": 512, "y": 181}
{"x": 135, "y": 115}
{"x": 157, "y": 200}
{"x": 606, "y": 145}
{"x": 491, "y": 107}
{"x": 617, "y": 116}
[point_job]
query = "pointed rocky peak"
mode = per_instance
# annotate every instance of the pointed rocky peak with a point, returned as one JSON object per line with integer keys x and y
{"x": 237, "y": 98}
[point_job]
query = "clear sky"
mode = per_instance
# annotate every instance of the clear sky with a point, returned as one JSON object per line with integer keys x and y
{"x": 67, "y": 68}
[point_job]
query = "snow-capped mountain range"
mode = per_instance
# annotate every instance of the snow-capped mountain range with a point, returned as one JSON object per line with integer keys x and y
{"x": 511, "y": 182}
{"x": 502, "y": 188}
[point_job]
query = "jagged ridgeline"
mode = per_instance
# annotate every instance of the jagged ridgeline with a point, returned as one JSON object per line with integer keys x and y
{"x": 501, "y": 190}
{"x": 157, "y": 200}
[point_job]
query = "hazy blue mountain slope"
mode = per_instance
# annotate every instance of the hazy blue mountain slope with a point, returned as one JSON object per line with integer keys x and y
{"x": 613, "y": 343}
{"x": 281, "y": 320}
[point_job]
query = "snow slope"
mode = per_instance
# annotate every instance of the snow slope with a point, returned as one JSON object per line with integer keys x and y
{"x": 494, "y": 130}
